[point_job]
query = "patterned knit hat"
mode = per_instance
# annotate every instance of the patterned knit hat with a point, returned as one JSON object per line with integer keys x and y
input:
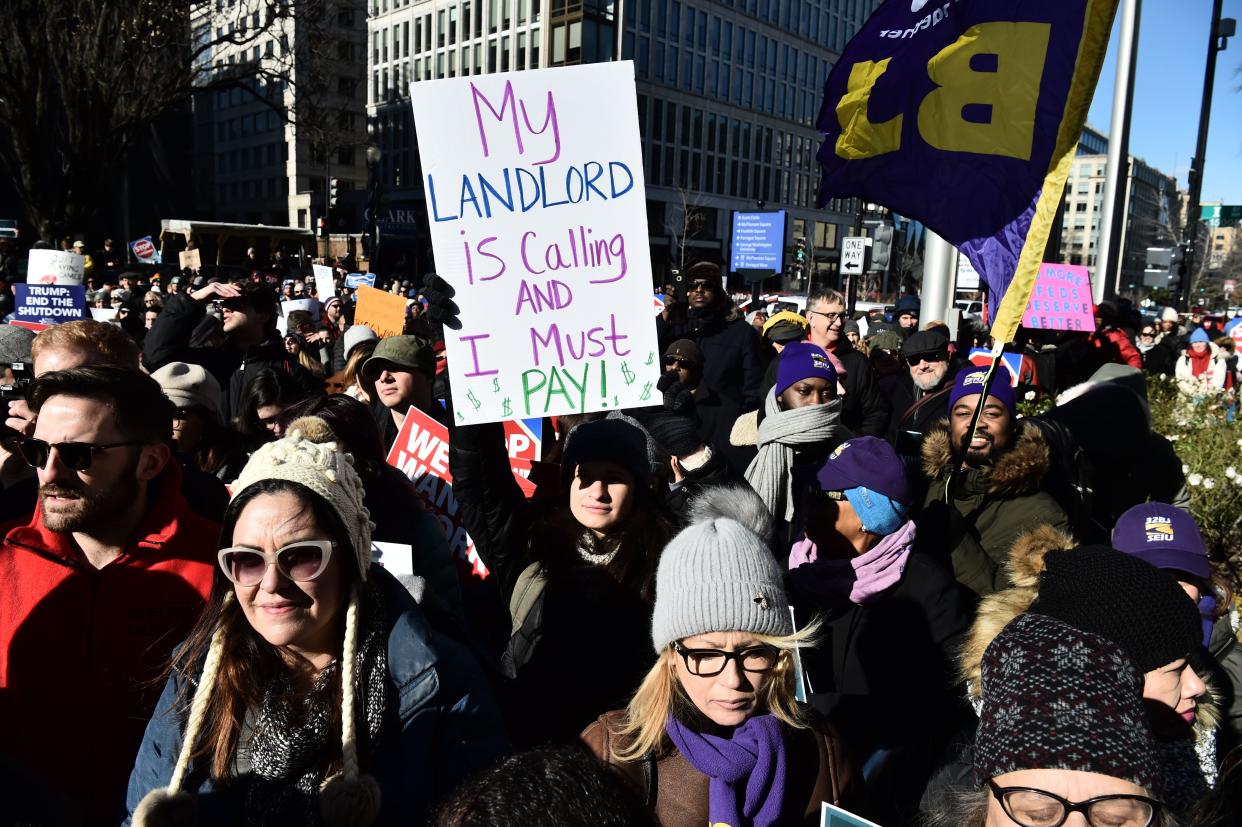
{"x": 349, "y": 797}
{"x": 1118, "y": 596}
{"x": 718, "y": 574}
{"x": 322, "y": 469}
{"x": 1055, "y": 697}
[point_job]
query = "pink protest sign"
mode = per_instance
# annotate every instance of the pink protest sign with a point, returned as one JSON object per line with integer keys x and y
{"x": 1061, "y": 299}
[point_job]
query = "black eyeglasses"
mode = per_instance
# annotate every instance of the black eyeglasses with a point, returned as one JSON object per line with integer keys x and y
{"x": 831, "y": 318}
{"x": 700, "y": 285}
{"x": 76, "y": 455}
{"x": 1032, "y": 807}
{"x": 679, "y": 361}
{"x": 707, "y": 663}
{"x": 914, "y": 360}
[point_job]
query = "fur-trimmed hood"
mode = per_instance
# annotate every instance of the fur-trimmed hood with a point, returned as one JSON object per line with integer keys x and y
{"x": 1020, "y": 470}
{"x": 1024, "y": 566}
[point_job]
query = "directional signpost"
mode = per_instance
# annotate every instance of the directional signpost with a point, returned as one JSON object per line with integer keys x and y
{"x": 853, "y": 255}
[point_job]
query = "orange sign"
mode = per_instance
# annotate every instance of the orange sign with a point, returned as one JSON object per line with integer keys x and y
{"x": 382, "y": 312}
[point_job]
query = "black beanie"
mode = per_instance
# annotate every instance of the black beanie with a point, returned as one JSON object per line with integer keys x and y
{"x": 618, "y": 441}
{"x": 1123, "y": 598}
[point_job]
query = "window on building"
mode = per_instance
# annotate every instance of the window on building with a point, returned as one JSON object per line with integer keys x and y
{"x": 452, "y": 26}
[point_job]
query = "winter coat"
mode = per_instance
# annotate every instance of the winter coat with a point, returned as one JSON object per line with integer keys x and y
{"x": 716, "y": 417}
{"x": 977, "y": 523}
{"x": 169, "y": 341}
{"x": 819, "y": 770}
{"x": 861, "y": 672}
{"x": 731, "y": 356}
{"x": 1212, "y": 379}
{"x": 562, "y": 610}
{"x": 81, "y": 647}
{"x": 1117, "y": 347}
{"x": 903, "y": 396}
{"x": 1190, "y": 764}
{"x": 1226, "y": 672}
{"x": 441, "y": 726}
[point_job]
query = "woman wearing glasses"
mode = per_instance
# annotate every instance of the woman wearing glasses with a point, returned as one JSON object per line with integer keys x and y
{"x": 1062, "y": 738}
{"x": 312, "y": 690}
{"x": 714, "y": 734}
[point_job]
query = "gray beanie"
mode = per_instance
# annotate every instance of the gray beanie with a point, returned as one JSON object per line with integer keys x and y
{"x": 356, "y": 335}
{"x": 718, "y": 574}
{"x": 15, "y": 343}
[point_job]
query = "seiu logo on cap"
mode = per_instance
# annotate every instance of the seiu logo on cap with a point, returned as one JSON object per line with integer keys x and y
{"x": 1158, "y": 529}
{"x": 974, "y": 379}
{"x": 836, "y": 452}
{"x": 820, "y": 362}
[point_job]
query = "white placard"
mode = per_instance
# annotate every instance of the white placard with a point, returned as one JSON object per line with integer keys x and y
{"x": 535, "y": 190}
{"x": 325, "y": 286}
{"x": 103, "y": 314}
{"x": 853, "y": 255}
{"x": 55, "y": 267}
{"x": 311, "y": 306}
{"x": 967, "y": 276}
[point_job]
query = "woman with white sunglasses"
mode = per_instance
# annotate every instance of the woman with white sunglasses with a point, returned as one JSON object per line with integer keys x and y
{"x": 313, "y": 690}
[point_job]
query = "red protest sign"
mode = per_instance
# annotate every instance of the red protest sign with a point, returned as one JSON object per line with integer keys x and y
{"x": 421, "y": 453}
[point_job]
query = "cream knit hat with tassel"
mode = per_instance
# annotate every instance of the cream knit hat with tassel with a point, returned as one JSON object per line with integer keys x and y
{"x": 348, "y": 797}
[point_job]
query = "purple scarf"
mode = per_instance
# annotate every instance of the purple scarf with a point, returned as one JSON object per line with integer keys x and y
{"x": 747, "y": 770}
{"x": 859, "y": 580}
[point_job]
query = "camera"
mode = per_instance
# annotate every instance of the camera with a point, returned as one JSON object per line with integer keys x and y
{"x": 22, "y": 380}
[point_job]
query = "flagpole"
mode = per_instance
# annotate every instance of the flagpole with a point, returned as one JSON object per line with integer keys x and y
{"x": 1117, "y": 171}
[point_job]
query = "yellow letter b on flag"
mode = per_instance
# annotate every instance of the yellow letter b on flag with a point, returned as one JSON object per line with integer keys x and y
{"x": 1011, "y": 90}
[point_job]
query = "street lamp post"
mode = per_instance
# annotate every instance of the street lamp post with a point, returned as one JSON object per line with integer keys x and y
{"x": 1218, "y": 39}
{"x": 374, "y": 204}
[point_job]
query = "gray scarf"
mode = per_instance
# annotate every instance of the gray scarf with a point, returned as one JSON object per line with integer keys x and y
{"x": 295, "y": 737}
{"x": 780, "y": 433}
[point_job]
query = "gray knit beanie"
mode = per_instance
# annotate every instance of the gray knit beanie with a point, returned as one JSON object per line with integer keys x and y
{"x": 718, "y": 574}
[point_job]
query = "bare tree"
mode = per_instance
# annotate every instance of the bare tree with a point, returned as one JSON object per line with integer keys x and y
{"x": 684, "y": 222}
{"x": 80, "y": 79}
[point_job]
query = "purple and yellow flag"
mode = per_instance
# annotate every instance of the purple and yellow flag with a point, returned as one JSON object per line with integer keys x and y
{"x": 964, "y": 114}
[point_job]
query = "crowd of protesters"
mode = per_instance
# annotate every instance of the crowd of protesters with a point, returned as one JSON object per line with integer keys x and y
{"x": 806, "y": 574}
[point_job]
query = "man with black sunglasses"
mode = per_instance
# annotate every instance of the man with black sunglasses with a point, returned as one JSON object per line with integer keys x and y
{"x": 918, "y": 396}
{"x": 98, "y": 586}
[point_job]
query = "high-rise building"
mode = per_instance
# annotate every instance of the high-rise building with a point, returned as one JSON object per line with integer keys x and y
{"x": 728, "y": 93}
{"x": 1152, "y": 217}
{"x": 266, "y": 148}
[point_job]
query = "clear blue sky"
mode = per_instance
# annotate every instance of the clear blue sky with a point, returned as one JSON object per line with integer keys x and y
{"x": 1168, "y": 89}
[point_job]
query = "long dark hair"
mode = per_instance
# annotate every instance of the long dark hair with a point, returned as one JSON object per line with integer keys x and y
{"x": 249, "y": 664}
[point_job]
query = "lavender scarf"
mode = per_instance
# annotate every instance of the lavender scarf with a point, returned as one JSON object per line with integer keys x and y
{"x": 859, "y": 580}
{"x": 747, "y": 770}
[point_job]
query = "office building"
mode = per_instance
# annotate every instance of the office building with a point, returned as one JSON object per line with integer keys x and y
{"x": 1152, "y": 204}
{"x": 728, "y": 93}
{"x": 266, "y": 149}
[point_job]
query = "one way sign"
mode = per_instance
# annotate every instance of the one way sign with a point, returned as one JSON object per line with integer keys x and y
{"x": 853, "y": 255}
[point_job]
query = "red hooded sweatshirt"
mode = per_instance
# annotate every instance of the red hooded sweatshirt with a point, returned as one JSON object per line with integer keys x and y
{"x": 81, "y": 649}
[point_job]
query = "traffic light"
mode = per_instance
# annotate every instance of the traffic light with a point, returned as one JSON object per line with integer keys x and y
{"x": 799, "y": 251}
{"x": 333, "y": 186}
{"x": 881, "y": 247}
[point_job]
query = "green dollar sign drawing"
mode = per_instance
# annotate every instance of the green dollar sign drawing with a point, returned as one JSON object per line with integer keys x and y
{"x": 474, "y": 400}
{"x": 507, "y": 410}
{"x": 646, "y": 392}
{"x": 460, "y": 417}
{"x": 629, "y": 375}
{"x": 616, "y": 401}
{"x": 495, "y": 384}
{"x": 650, "y": 358}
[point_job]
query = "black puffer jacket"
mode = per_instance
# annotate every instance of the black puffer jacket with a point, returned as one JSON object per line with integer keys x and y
{"x": 169, "y": 341}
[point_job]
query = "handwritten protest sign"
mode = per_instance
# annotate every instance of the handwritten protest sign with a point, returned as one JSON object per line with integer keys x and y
{"x": 55, "y": 267}
{"x": 1061, "y": 299}
{"x": 382, "y": 312}
{"x": 49, "y": 303}
{"x": 190, "y": 259}
{"x": 537, "y": 204}
{"x": 325, "y": 286}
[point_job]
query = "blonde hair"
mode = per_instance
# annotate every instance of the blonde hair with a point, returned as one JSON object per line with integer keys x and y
{"x": 661, "y": 694}
{"x": 103, "y": 343}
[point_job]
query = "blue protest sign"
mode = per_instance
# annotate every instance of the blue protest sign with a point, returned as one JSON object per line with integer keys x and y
{"x": 144, "y": 250}
{"x": 49, "y": 303}
{"x": 360, "y": 280}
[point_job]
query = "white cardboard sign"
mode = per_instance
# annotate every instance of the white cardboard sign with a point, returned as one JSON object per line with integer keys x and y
{"x": 55, "y": 267}
{"x": 537, "y": 208}
{"x": 325, "y": 286}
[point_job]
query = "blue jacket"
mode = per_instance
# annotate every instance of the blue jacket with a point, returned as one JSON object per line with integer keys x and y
{"x": 442, "y": 726}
